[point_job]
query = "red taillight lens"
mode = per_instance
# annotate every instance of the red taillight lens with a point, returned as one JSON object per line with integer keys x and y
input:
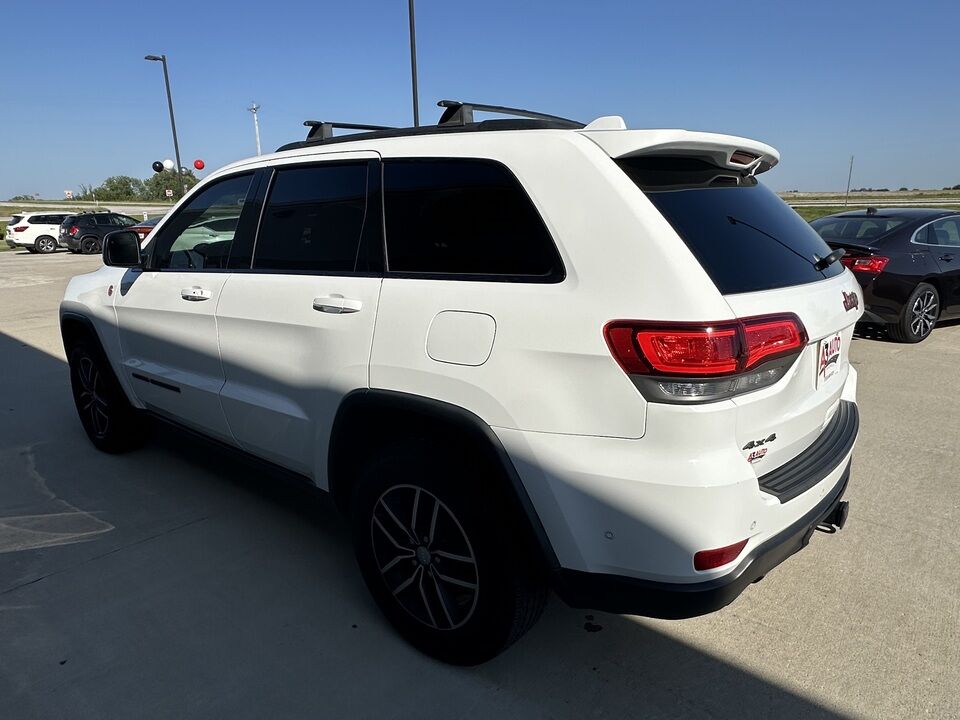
{"x": 872, "y": 264}
{"x": 767, "y": 339}
{"x": 709, "y": 559}
{"x": 697, "y": 349}
{"x": 20, "y": 228}
{"x": 73, "y": 231}
{"x": 701, "y": 351}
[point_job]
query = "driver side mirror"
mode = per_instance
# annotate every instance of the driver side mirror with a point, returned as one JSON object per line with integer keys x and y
{"x": 121, "y": 248}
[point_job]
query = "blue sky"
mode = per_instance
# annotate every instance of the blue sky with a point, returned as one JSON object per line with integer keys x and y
{"x": 818, "y": 80}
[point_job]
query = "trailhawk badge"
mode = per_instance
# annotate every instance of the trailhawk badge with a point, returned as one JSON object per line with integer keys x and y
{"x": 851, "y": 301}
{"x": 828, "y": 358}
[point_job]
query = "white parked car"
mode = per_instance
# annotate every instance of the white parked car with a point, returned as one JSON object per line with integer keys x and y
{"x": 37, "y": 232}
{"x": 519, "y": 353}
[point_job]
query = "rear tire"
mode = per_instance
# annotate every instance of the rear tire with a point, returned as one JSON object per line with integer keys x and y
{"x": 45, "y": 245}
{"x": 920, "y": 314}
{"x": 439, "y": 556}
{"x": 89, "y": 245}
{"x": 110, "y": 421}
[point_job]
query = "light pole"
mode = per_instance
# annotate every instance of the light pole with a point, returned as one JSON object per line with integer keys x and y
{"x": 173, "y": 123}
{"x": 413, "y": 64}
{"x": 254, "y": 108}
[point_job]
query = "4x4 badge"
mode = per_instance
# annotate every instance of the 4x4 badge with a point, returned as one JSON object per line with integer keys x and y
{"x": 762, "y": 441}
{"x": 851, "y": 301}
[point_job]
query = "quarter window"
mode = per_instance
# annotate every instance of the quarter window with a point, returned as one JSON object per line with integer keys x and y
{"x": 201, "y": 234}
{"x": 465, "y": 218}
{"x": 314, "y": 219}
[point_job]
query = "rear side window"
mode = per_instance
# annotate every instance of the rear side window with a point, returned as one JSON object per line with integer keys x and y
{"x": 745, "y": 237}
{"x": 466, "y": 218}
{"x": 15, "y": 219}
{"x": 855, "y": 228}
{"x": 314, "y": 219}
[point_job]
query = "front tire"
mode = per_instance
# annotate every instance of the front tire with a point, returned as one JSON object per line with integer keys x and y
{"x": 920, "y": 314}
{"x": 45, "y": 245}
{"x": 110, "y": 421}
{"x": 441, "y": 558}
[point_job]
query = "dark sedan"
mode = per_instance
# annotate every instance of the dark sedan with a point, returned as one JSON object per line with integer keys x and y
{"x": 907, "y": 261}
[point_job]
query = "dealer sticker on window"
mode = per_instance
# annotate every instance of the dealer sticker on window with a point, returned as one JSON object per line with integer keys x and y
{"x": 828, "y": 358}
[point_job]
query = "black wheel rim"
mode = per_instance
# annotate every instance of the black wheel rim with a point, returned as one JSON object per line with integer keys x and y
{"x": 923, "y": 313}
{"x": 424, "y": 557}
{"x": 90, "y": 401}
{"x": 88, "y": 246}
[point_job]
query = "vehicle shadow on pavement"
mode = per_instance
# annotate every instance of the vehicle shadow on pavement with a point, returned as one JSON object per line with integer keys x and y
{"x": 224, "y": 589}
{"x": 876, "y": 331}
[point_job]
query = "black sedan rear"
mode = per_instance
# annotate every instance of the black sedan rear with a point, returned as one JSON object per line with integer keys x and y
{"x": 907, "y": 261}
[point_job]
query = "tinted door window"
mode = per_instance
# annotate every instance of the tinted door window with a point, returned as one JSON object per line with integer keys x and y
{"x": 944, "y": 232}
{"x": 464, "y": 217}
{"x": 314, "y": 219}
{"x": 744, "y": 236}
{"x": 187, "y": 243}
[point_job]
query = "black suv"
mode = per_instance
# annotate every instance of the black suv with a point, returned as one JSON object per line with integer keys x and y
{"x": 84, "y": 233}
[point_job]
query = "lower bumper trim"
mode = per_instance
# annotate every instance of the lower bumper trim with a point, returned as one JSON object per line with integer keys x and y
{"x": 632, "y": 596}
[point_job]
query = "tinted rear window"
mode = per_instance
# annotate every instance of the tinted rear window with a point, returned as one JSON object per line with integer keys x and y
{"x": 465, "y": 218}
{"x": 855, "y": 228}
{"x": 745, "y": 237}
{"x": 15, "y": 219}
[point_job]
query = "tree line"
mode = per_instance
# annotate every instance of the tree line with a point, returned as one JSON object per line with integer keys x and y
{"x": 126, "y": 188}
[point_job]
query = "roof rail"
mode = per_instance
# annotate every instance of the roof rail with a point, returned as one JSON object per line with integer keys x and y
{"x": 457, "y": 117}
{"x": 320, "y": 130}
{"x": 461, "y": 113}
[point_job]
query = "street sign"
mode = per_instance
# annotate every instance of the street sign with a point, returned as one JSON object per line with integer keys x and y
{"x": 68, "y": 194}
{"x": 169, "y": 192}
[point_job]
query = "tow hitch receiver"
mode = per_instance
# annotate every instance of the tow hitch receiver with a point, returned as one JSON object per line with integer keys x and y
{"x": 836, "y": 518}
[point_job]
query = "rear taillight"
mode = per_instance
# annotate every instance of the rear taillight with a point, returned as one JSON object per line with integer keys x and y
{"x": 871, "y": 264}
{"x": 73, "y": 231}
{"x": 702, "y": 362}
{"x": 20, "y": 228}
{"x": 710, "y": 559}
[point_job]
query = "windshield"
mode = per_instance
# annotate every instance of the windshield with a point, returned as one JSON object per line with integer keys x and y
{"x": 745, "y": 237}
{"x": 855, "y": 228}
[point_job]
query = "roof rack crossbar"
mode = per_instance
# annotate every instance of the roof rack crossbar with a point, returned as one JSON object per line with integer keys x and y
{"x": 461, "y": 113}
{"x": 321, "y": 131}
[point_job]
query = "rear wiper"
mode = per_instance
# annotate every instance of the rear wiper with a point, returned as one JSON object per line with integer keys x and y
{"x": 818, "y": 262}
{"x": 822, "y": 263}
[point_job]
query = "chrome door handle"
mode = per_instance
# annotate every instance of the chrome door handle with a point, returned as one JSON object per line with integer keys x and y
{"x": 337, "y": 304}
{"x": 946, "y": 258}
{"x": 195, "y": 294}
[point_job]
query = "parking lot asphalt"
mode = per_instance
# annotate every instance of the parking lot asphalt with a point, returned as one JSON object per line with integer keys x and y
{"x": 179, "y": 581}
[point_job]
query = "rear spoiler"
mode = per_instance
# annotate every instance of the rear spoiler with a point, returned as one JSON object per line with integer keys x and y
{"x": 848, "y": 245}
{"x": 729, "y": 151}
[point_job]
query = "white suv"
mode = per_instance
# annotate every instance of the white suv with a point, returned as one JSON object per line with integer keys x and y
{"x": 36, "y": 232}
{"x": 519, "y": 353}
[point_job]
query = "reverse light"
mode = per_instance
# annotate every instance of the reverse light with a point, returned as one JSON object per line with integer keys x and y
{"x": 703, "y": 362}
{"x": 871, "y": 264}
{"x": 20, "y": 228}
{"x": 710, "y": 559}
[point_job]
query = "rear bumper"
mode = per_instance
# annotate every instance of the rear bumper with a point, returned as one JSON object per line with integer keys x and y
{"x": 633, "y": 596}
{"x": 11, "y": 242}
{"x": 68, "y": 242}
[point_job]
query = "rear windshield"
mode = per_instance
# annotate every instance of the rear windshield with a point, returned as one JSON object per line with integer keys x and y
{"x": 855, "y": 228}
{"x": 745, "y": 237}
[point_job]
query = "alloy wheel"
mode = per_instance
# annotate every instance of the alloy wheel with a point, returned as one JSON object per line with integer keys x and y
{"x": 923, "y": 314}
{"x": 90, "y": 400}
{"x": 88, "y": 246}
{"x": 425, "y": 557}
{"x": 46, "y": 245}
